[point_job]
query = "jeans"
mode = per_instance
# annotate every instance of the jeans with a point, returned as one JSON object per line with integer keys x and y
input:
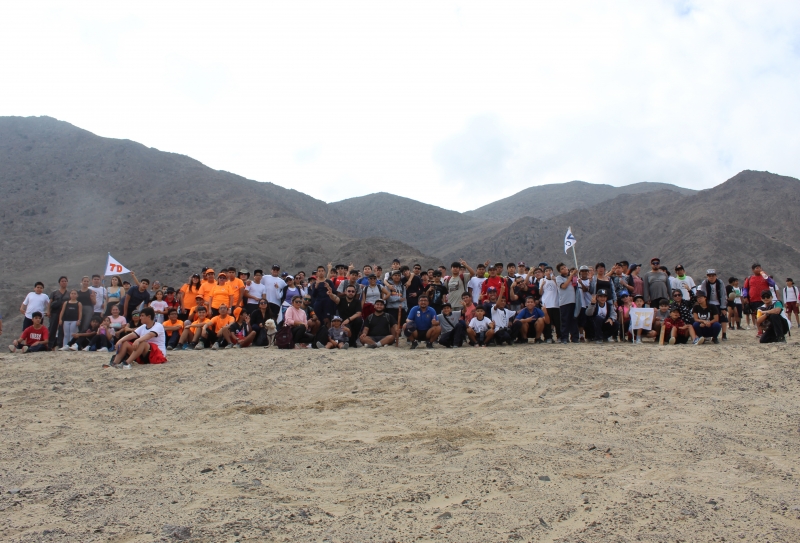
{"x": 707, "y": 331}
{"x": 70, "y": 327}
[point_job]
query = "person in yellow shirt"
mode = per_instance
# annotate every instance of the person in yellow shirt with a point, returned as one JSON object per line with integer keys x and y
{"x": 193, "y": 330}
{"x": 236, "y": 287}
{"x": 219, "y": 295}
{"x": 212, "y": 334}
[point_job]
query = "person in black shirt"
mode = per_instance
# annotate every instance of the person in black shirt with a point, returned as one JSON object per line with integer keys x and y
{"x": 136, "y": 296}
{"x": 437, "y": 292}
{"x": 57, "y": 299}
{"x": 706, "y": 318}
{"x": 380, "y": 329}
{"x": 413, "y": 284}
{"x": 349, "y": 309}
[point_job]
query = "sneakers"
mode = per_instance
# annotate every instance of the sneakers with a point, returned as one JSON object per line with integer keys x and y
{"x": 428, "y": 345}
{"x": 237, "y": 346}
{"x": 320, "y": 345}
{"x": 672, "y": 341}
{"x": 414, "y": 344}
{"x": 548, "y": 340}
{"x": 126, "y": 366}
{"x": 372, "y": 346}
{"x": 199, "y": 347}
{"x": 170, "y": 347}
{"x": 638, "y": 341}
{"x": 102, "y": 350}
{"x": 24, "y": 349}
{"x": 714, "y": 341}
{"x": 85, "y": 349}
{"x": 62, "y": 349}
{"x": 12, "y": 349}
{"x": 346, "y": 346}
{"x": 229, "y": 346}
{"x": 73, "y": 347}
{"x": 184, "y": 347}
{"x": 215, "y": 346}
{"x": 699, "y": 341}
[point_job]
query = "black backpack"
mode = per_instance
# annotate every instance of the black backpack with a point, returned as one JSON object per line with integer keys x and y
{"x": 284, "y": 339}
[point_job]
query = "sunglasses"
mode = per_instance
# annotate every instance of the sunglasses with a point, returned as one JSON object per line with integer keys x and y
{"x": 296, "y": 301}
{"x": 262, "y": 303}
{"x": 676, "y": 295}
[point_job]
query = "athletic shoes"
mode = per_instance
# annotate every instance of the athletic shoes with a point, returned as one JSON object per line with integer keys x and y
{"x": 126, "y": 366}
{"x": 414, "y": 344}
{"x": 672, "y": 341}
{"x": 12, "y": 349}
{"x": 372, "y": 346}
{"x": 714, "y": 341}
{"x": 699, "y": 341}
{"x": 73, "y": 347}
{"x": 24, "y": 349}
{"x": 199, "y": 347}
{"x": 102, "y": 350}
{"x": 320, "y": 345}
{"x": 428, "y": 345}
{"x": 346, "y": 346}
{"x": 215, "y": 346}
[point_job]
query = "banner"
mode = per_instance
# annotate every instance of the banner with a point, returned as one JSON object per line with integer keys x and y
{"x": 569, "y": 240}
{"x": 642, "y": 318}
{"x": 113, "y": 267}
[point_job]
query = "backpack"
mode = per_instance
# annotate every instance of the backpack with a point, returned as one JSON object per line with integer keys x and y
{"x": 284, "y": 338}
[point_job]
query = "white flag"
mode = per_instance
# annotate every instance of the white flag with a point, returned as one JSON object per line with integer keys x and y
{"x": 115, "y": 268}
{"x": 569, "y": 240}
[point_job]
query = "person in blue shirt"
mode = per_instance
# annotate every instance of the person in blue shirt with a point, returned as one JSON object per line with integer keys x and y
{"x": 421, "y": 323}
{"x": 529, "y": 319}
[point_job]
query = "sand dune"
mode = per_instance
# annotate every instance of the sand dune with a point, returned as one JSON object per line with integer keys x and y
{"x": 504, "y": 444}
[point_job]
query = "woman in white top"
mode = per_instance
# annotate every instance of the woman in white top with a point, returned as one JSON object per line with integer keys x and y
{"x": 160, "y": 306}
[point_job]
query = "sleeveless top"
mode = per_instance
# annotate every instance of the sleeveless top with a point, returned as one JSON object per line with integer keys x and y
{"x": 70, "y": 311}
{"x": 372, "y": 293}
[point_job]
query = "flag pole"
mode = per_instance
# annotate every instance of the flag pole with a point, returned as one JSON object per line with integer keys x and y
{"x": 575, "y": 256}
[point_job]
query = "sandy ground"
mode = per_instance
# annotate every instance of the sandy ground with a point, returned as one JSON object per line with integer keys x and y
{"x": 503, "y": 444}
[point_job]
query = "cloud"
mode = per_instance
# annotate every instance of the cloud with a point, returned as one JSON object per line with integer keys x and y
{"x": 430, "y": 101}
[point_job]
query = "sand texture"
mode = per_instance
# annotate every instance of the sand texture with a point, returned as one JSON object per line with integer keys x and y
{"x": 497, "y": 444}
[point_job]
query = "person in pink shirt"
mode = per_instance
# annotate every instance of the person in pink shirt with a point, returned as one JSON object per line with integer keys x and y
{"x": 295, "y": 317}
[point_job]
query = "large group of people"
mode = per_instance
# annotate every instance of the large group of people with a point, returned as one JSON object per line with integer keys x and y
{"x": 340, "y": 307}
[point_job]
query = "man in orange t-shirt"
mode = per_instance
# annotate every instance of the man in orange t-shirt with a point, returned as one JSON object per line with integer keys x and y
{"x": 212, "y": 330}
{"x": 236, "y": 287}
{"x": 208, "y": 283}
{"x": 192, "y": 330}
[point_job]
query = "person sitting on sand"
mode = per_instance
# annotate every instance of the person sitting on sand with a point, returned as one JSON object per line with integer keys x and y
{"x": 480, "y": 329}
{"x": 604, "y": 317}
{"x": 192, "y": 331}
{"x": 211, "y": 335}
{"x": 771, "y": 319}
{"x": 530, "y": 322}
{"x": 451, "y": 335}
{"x": 338, "y": 335}
{"x": 676, "y": 329}
{"x": 34, "y": 338}
{"x": 145, "y": 345}
{"x": 503, "y": 321}
{"x": 380, "y": 328}
{"x": 706, "y": 319}
{"x": 173, "y": 327}
{"x": 240, "y": 334}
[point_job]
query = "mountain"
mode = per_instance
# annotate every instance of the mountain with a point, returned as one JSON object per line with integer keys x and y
{"x": 426, "y": 227}
{"x": 71, "y": 196}
{"x": 545, "y": 201}
{"x": 754, "y": 216}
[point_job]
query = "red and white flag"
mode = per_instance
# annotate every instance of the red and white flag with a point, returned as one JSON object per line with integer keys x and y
{"x": 113, "y": 267}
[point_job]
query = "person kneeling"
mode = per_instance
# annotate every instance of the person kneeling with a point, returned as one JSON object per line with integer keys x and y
{"x": 213, "y": 334}
{"x": 338, "y": 335}
{"x": 770, "y": 317}
{"x": 451, "y": 335}
{"x": 480, "y": 330}
{"x": 603, "y": 315}
{"x": 33, "y": 339}
{"x": 145, "y": 345}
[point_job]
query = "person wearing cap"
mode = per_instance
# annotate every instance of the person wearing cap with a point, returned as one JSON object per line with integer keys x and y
{"x": 208, "y": 284}
{"x": 655, "y": 284}
{"x": 495, "y": 281}
{"x": 380, "y": 328}
{"x": 706, "y": 318}
{"x": 682, "y": 282}
{"x": 291, "y": 290}
{"x": 349, "y": 309}
{"x": 338, "y": 335}
{"x": 604, "y": 316}
{"x": 583, "y": 298}
{"x": 341, "y": 274}
{"x": 254, "y": 292}
{"x": 717, "y": 296}
{"x": 274, "y": 287}
{"x": 771, "y": 318}
{"x": 219, "y": 295}
{"x": 450, "y": 334}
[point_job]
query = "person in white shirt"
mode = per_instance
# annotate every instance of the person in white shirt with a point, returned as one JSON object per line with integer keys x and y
{"x": 145, "y": 345}
{"x": 101, "y": 297}
{"x": 682, "y": 282}
{"x": 502, "y": 319}
{"x": 791, "y": 295}
{"x": 549, "y": 291}
{"x": 474, "y": 285}
{"x": 274, "y": 286}
{"x": 480, "y": 329}
{"x": 254, "y": 291}
{"x": 34, "y": 301}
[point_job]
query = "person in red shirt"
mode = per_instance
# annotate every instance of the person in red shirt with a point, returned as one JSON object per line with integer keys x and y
{"x": 494, "y": 280}
{"x": 755, "y": 285}
{"x": 34, "y": 338}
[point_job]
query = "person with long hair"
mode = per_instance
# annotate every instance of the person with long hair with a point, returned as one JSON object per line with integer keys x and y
{"x": 187, "y": 296}
{"x": 115, "y": 293}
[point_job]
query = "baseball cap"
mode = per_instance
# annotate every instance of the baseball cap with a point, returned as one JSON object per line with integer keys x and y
{"x": 370, "y": 276}
{"x": 655, "y": 259}
{"x": 396, "y": 260}
{"x": 244, "y": 271}
{"x": 275, "y": 267}
{"x": 381, "y": 300}
{"x": 602, "y": 292}
{"x": 623, "y": 293}
{"x": 337, "y": 318}
{"x": 699, "y": 293}
{"x": 209, "y": 270}
{"x": 237, "y": 312}
{"x": 711, "y": 271}
{"x": 584, "y": 268}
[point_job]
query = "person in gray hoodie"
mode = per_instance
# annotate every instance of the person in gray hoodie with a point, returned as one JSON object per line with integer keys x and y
{"x": 656, "y": 284}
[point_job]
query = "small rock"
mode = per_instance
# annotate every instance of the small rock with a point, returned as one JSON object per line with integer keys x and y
{"x": 181, "y": 533}
{"x": 605, "y": 395}
{"x": 464, "y": 502}
{"x": 90, "y": 380}
{"x": 542, "y": 522}
{"x": 438, "y": 526}
{"x": 585, "y": 498}
{"x": 444, "y": 516}
{"x": 544, "y": 478}
{"x": 712, "y": 502}
{"x": 592, "y": 447}
{"x": 688, "y": 513}
{"x": 206, "y": 470}
{"x": 13, "y": 491}
{"x": 210, "y": 364}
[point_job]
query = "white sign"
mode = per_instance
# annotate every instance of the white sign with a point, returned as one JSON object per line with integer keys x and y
{"x": 642, "y": 318}
{"x": 115, "y": 268}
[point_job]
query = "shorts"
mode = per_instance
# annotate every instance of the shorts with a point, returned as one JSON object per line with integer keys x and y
{"x": 668, "y": 331}
{"x": 155, "y": 356}
{"x": 723, "y": 316}
{"x": 791, "y": 307}
{"x": 753, "y": 307}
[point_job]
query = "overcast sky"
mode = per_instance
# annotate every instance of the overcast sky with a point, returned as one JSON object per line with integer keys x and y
{"x": 456, "y": 104}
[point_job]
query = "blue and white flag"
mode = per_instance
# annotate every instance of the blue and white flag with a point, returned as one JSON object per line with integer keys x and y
{"x": 569, "y": 240}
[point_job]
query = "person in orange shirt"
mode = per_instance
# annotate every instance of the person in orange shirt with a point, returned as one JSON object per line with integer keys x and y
{"x": 212, "y": 333}
{"x": 173, "y": 328}
{"x": 193, "y": 330}
{"x": 187, "y": 295}
{"x": 236, "y": 287}
{"x": 219, "y": 295}
{"x": 208, "y": 284}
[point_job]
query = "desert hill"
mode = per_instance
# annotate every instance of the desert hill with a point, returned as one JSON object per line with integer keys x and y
{"x": 545, "y": 201}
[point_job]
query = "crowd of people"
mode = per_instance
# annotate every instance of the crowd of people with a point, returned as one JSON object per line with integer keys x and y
{"x": 339, "y": 307}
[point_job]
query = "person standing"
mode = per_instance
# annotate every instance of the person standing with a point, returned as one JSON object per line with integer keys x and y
{"x": 791, "y": 295}
{"x": 57, "y": 299}
{"x": 754, "y": 286}
{"x": 100, "y": 296}
{"x": 656, "y": 284}
{"x": 274, "y": 286}
{"x": 682, "y": 282}
{"x": 717, "y": 296}
{"x": 136, "y": 297}
{"x": 566, "y": 282}
{"x": 550, "y": 301}
{"x": 36, "y": 301}
{"x": 254, "y": 292}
